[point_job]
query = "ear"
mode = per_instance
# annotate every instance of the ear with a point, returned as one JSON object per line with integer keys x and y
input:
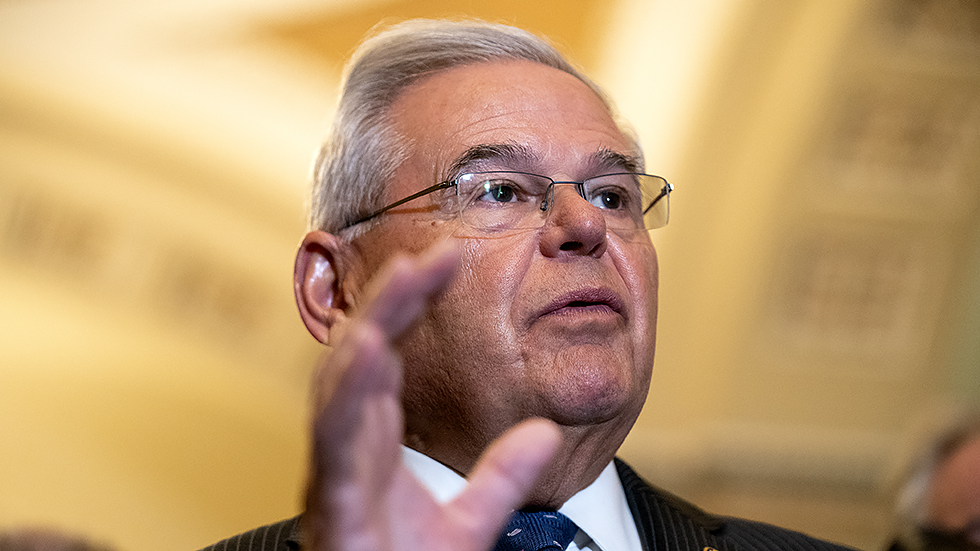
{"x": 323, "y": 265}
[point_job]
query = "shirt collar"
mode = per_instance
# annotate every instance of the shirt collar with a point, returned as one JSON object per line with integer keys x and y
{"x": 442, "y": 482}
{"x": 600, "y": 510}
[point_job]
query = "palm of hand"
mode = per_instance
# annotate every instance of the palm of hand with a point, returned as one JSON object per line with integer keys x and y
{"x": 360, "y": 496}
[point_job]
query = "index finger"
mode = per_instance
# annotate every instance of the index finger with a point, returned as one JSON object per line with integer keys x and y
{"x": 405, "y": 286}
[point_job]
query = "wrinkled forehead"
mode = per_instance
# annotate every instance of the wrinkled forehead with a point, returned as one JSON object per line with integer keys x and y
{"x": 552, "y": 114}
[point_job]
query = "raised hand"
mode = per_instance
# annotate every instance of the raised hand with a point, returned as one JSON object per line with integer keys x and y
{"x": 360, "y": 497}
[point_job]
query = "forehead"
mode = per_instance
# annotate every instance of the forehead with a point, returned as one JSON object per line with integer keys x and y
{"x": 543, "y": 110}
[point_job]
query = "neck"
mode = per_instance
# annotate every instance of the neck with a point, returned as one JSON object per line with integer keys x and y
{"x": 580, "y": 459}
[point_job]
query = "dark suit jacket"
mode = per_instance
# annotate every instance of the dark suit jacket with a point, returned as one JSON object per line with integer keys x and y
{"x": 664, "y": 521}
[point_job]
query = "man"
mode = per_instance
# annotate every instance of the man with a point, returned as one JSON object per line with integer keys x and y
{"x": 482, "y": 268}
{"x": 938, "y": 502}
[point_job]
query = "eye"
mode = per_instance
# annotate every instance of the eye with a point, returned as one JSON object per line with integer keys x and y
{"x": 498, "y": 188}
{"x": 611, "y": 198}
{"x": 499, "y": 191}
{"x": 608, "y": 199}
{"x": 614, "y": 192}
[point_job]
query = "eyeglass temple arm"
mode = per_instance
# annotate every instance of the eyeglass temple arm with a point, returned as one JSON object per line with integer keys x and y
{"x": 426, "y": 191}
{"x": 665, "y": 191}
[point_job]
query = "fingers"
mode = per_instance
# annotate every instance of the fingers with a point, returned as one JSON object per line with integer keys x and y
{"x": 357, "y": 429}
{"x": 393, "y": 300}
{"x": 504, "y": 476}
{"x": 363, "y": 365}
{"x": 358, "y": 424}
{"x": 402, "y": 290}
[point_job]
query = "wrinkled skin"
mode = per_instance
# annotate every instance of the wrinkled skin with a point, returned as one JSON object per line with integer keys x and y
{"x": 485, "y": 331}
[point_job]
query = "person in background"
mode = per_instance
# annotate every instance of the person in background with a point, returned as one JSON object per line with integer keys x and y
{"x": 46, "y": 539}
{"x": 480, "y": 264}
{"x": 937, "y": 506}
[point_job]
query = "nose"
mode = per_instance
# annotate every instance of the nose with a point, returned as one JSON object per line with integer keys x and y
{"x": 573, "y": 226}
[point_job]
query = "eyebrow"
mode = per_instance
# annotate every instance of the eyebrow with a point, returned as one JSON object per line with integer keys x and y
{"x": 607, "y": 158}
{"x": 508, "y": 154}
{"x": 521, "y": 156}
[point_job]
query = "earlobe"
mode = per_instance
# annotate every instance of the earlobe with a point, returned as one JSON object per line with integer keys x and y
{"x": 318, "y": 284}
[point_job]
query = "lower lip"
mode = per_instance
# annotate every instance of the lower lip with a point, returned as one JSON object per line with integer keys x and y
{"x": 591, "y": 309}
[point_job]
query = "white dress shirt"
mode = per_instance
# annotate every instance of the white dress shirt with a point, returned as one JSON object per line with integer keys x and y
{"x": 600, "y": 510}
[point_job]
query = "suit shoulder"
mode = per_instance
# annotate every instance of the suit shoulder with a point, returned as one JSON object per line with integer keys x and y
{"x": 646, "y": 500}
{"x": 760, "y": 536}
{"x": 669, "y": 523}
{"x": 279, "y": 536}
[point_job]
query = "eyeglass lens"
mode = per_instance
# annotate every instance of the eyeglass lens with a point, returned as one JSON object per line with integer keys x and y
{"x": 497, "y": 201}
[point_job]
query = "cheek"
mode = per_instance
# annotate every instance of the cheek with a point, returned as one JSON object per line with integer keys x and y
{"x": 638, "y": 266}
{"x": 490, "y": 277}
{"x": 472, "y": 317}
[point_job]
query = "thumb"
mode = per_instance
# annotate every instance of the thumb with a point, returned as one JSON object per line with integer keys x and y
{"x": 504, "y": 476}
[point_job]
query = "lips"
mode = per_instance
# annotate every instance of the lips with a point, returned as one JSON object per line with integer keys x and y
{"x": 585, "y": 299}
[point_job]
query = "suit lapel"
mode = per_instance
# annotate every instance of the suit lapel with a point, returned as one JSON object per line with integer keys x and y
{"x": 667, "y": 523}
{"x": 664, "y": 521}
{"x": 295, "y": 539}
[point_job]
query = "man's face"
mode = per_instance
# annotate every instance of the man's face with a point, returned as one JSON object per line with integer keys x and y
{"x": 557, "y": 322}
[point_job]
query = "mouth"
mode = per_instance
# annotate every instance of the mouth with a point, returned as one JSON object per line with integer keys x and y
{"x": 598, "y": 300}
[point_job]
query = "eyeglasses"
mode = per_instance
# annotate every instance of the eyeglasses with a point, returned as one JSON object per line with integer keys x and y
{"x": 508, "y": 200}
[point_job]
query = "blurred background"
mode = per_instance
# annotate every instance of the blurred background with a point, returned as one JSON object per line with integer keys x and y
{"x": 820, "y": 274}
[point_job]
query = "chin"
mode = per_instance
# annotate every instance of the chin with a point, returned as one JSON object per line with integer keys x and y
{"x": 591, "y": 396}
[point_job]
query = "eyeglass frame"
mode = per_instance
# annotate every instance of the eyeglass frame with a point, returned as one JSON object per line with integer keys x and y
{"x": 665, "y": 191}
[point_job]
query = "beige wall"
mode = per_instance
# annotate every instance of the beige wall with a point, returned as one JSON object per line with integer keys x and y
{"x": 820, "y": 273}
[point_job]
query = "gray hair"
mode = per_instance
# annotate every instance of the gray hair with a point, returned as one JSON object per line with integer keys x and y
{"x": 362, "y": 150}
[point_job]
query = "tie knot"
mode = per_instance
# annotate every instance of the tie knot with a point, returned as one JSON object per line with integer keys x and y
{"x": 537, "y": 531}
